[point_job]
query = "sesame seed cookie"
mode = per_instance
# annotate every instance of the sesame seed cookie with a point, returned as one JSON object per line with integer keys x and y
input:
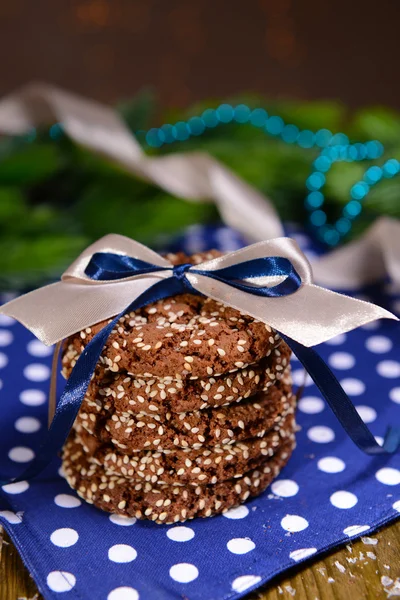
{"x": 131, "y": 395}
{"x": 166, "y": 503}
{"x": 188, "y": 466}
{"x": 183, "y": 337}
{"x": 209, "y": 427}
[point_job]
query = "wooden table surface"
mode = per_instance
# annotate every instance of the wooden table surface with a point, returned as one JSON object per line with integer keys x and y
{"x": 368, "y": 569}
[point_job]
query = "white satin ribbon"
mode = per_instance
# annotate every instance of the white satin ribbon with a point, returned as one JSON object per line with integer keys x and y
{"x": 197, "y": 177}
{"x": 310, "y": 315}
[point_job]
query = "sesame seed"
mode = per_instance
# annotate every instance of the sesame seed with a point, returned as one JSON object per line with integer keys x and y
{"x": 221, "y": 352}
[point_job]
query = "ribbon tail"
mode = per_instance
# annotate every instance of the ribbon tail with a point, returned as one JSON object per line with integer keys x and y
{"x": 340, "y": 403}
{"x": 71, "y": 399}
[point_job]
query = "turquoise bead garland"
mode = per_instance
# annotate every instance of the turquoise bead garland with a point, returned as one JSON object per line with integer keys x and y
{"x": 334, "y": 148}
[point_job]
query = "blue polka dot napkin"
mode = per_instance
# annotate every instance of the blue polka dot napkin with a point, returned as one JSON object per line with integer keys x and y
{"x": 329, "y": 492}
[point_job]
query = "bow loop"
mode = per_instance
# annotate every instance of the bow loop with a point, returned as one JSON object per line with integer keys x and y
{"x": 107, "y": 266}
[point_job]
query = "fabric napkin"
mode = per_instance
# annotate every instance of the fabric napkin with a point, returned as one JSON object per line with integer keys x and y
{"x": 329, "y": 492}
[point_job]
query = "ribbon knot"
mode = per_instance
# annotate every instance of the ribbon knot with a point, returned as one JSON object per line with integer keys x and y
{"x": 179, "y": 272}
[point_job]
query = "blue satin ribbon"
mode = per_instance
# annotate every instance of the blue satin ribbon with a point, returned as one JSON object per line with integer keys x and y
{"x": 108, "y": 266}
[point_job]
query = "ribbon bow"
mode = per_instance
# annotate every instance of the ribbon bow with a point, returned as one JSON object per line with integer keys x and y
{"x": 271, "y": 281}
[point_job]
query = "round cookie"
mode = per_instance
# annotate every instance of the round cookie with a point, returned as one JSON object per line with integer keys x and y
{"x": 210, "y": 427}
{"x": 166, "y": 503}
{"x": 181, "y": 337}
{"x": 187, "y": 466}
{"x": 128, "y": 394}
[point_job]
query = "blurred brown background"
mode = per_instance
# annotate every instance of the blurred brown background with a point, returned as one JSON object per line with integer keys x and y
{"x": 194, "y": 49}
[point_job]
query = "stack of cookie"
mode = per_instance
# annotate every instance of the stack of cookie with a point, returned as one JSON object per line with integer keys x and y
{"x": 189, "y": 412}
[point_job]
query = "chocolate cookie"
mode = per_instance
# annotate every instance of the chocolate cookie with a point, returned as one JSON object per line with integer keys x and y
{"x": 131, "y": 395}
{"x": 210, "y": 427}
{"x": 166, "y": 503}
{"x": 181, "y": 337}
{"x": 188, "y": 466}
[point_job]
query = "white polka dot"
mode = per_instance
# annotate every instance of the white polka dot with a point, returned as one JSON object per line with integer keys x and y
{"x": 61, "y": 472}
{"x": 331, "y": 464}
{"x": 27, "y": 425}
{"x": 16, "y": 488}
{"x": 302, "y": 553}
{"x": 300, "y": 377}
{"x": 311, "y": 405}
{"x": 379, "y": 440}
{"x": 61, "y": 581}
{"x": 378, "y": 344}
{"x": 6, "y": 321}
{"x": 396, "y": 506}
{"x": 372, "y": 326}
{"x": 3, "y": 360}
{"x": 389, "y": 368}
{"x": 240, "y": 545}
{"x": 6, "y": 337}
{"x": 32, "y": 397}
{"x": 180, "y": 534}
{"x": 342, "y": 360}
{"x": 184, "y": 572}
{"x": 321, "y": 434}
{"x": 355, "y": 530}
{"x": 67, "y": 501}
{"x": 388, "y": 476}
{"x": 367, "y": 413}
{"x": 10, "y": 517}
{"x": 353, "y": 387}
{"x": 1, "y": 384}
{"x": 337, "y": 340}
{"x": 37, "y": 372}
{"x": 343, "y": 499}
{"x": 122, "y": 520}
{"x": 245, "y": 582}
{"x": 284, "y": 488}
{"x": 21, "y": 454}
{"x": 294, "y": 523}
{"x": 38, "y": 349}
{"x": 122, "y": 553}
{"x": 394, "y": 395}
{"x": 65, "y": 537}
{"x": 240, "y": 512}
{"x": 123, "y": 593}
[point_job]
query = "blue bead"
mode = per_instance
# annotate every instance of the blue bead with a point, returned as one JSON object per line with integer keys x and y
{"x": 169, "y": 132}
{"x": 315, "y": 181}
{"x": 196, "y": 126}
{"x": 318, "y": 218}
{"x": 352, "y": 153}
{"x": 322, "y": 163}
{"x": 331, "y": 237}
{"x": 361, "y": 150}
{"x": 323, "y": 137}
{"x": 241, "y": 114}
{"x": 373, "y": 175}
{"x": 352, "y": 209}
{"x": 306, "y": 139}
{"x": 274, "y": 125}
{"x": 210, "y": 117}
{"x": 290, "y": 133}
{"x": 343, "y": 225}
{"x": 315, "y": 199}
{"x": 340, "y": 139}
{"x": 153, "y": 138}
{"x": 182, "y": 131}
{"x": 56, "y": 131}
{"x": 258, "y": 117}
{"x": 359, "y": 190}
{"x": 225, "y": 113}
{"x": 391, "y": 167}
{"x": 374, "y": 149}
